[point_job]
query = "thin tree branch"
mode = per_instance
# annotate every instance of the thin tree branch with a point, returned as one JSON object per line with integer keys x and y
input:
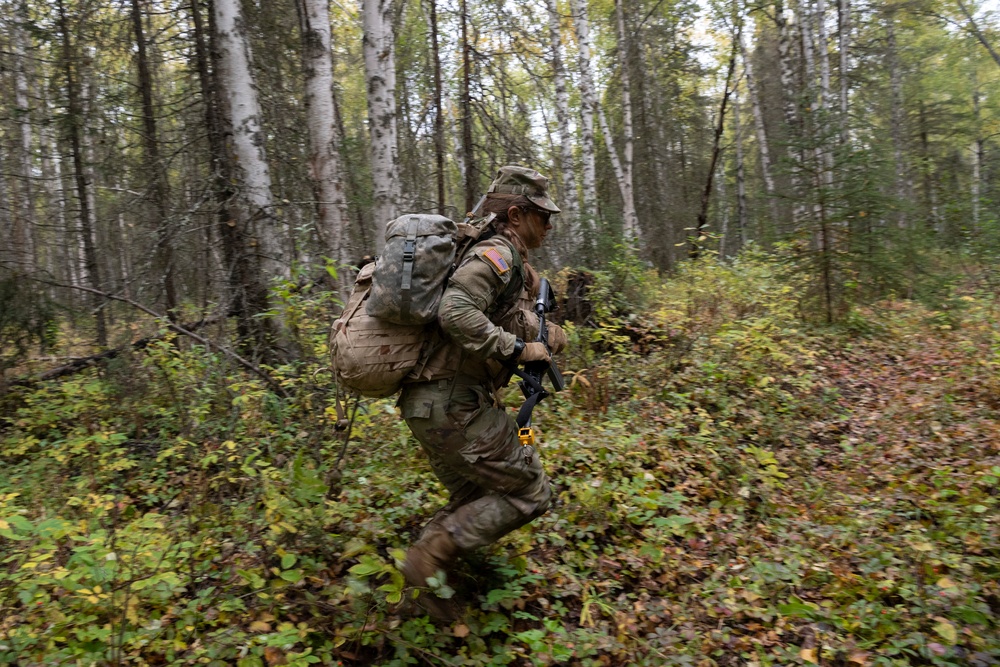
{"x": 977, "y": 32}
{"x": 695, "y": 249}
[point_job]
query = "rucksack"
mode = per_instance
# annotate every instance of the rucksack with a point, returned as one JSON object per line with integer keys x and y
{"x": 418, "y": 256}
{"x": 389, "y": 325}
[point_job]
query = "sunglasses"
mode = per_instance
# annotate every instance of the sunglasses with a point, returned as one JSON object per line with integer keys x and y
{"x": 546, "y": 215}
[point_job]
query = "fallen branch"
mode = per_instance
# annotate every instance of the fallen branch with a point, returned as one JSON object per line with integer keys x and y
{"x": 271, "y": 382}
{"x": 78, "y": 364}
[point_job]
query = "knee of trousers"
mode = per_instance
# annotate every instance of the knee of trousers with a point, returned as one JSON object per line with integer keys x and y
{"x": 544, "y": 502}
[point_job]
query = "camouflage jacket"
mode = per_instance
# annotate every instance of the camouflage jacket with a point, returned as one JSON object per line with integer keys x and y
{"x": 484, "y": 309}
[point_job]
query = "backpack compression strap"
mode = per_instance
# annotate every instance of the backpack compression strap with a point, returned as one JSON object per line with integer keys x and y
{"x": 409, "y": 253}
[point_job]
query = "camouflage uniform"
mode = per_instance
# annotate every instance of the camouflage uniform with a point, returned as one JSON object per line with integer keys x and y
{"x": 452, "y": 409}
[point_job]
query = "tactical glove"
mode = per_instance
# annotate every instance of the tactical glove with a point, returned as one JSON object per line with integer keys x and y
{"x": 557, "y": 337}
{"x": 534, "y": 351}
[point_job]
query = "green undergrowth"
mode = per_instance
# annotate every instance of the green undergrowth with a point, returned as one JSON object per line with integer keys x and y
{"x": 732, "y": 488}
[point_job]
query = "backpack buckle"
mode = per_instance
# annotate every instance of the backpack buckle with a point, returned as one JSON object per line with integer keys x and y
{"x": 409, "y": 250}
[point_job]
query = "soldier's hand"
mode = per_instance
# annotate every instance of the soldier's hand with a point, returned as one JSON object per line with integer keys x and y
{"x": 534, "y": 351}
{"x": 557, "y": 338}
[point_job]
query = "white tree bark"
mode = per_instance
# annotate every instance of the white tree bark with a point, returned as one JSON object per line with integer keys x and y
{"x": 626, "y": 183}
{"x": 622, "y": 169}
{"x": 58, "y": 263}
{"x": 380, "y": 73}
{"x": 763, "y": 146}
{"x": 977, "y": 156}
{"x": 254, "y": 204}
{"x": 823, "y": 52}
{"x": 902, "y": 184}
{"x": 844, "y": 40}
{"x": 790, "y": 97}
{"x": 587, "y": 112}
{"x": 324, "y": 154}
{"x": 567, "y": 173}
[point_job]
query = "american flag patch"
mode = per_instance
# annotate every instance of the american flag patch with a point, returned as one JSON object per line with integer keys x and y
{"x": 496, "y": 259}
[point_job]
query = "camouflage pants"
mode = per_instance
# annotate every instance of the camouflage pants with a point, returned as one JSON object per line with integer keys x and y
{"x": 473, "y": 449}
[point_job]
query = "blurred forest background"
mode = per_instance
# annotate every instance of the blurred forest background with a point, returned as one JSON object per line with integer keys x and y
{"x": 186, "y": 155}
{"x": 780, "y": 440}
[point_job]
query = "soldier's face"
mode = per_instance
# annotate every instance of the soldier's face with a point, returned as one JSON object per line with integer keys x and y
{"x": 531, "y": 225}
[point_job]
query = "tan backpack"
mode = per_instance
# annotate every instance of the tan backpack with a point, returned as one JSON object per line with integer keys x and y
{"x": 372, "y": 351}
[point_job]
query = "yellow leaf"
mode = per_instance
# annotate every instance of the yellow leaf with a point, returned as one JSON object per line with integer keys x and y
{"x": 260, "y": 626}
{"x": 808, "y": 654}
{"x": 461, "y": 631}
{"x": 947, "y": 631}
{"x": 4, "y": 525}
{"x": 858, "y": 658}
{"x": 945, "y": 582}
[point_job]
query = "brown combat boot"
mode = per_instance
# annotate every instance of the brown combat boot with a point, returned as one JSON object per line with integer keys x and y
{"x": 433, "y": 553}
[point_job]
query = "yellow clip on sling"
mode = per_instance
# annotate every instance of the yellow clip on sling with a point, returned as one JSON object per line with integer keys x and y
{"x": 526, "y": 435}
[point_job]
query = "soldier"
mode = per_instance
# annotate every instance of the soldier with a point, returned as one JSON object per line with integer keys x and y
{"x": 452, "y": 408}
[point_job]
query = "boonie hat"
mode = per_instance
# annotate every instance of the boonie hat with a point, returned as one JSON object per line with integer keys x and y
{"x": 516, "y": 180}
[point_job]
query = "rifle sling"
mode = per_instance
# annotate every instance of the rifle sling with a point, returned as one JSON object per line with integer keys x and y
{"x": 537, "y": 394}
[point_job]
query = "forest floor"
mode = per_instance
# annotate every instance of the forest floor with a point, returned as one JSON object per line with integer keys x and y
{"x": 732, "y": 488}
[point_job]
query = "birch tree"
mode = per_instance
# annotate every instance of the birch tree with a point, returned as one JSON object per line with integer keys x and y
{"x": 380, "y": 74}
{"x": 843, "y": 46}
{"x": 760, "y": 128}
{"x": 588, "y": 102}
{"x": 324, "y": 155}
{"x": 622, "y": 167}
{"x": 567, "y": 172}
{"x": 625, "y": 182}
{"x": 253, "y": 203}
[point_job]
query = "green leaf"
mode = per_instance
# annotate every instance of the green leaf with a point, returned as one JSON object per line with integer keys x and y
{"x": 796, "y": 609}
{"x": 292, "y": 575}
{"x": 365, "y": 569}
{"x": 287, "y": 561}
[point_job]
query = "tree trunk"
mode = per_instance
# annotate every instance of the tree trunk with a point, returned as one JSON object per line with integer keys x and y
{"x": 567, "y": 174}
{"x": 24, "y": 215}
{"x": 695, "y": 248}
{"x": 823, "y": 53}
{"x": 741, "y": 184}
{"x": 470, "y": 188}
{"x": 8, "y": 253}
{"x": 438, "y": 112}
{"x": 588, "y": 97}
{"x": 74, "y": 121}
{"x": 58, "y": 261}
{"x": 324, "y": 153}
{"x": 763, "y": 145}
{"x": 790, "y": 98}
{"x": 253, "y": 202}
{"x": 844, "y": 40}
{"x": 159, "y": 191}
{"x": 380, "y": 73}
{"x": 626, "y": 183}
{"x": 977, "y": 157}
{"x": 232, "y": 244}
{"x": 898, "y": 120}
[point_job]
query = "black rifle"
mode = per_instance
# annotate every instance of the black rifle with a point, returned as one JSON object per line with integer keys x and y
{"x": 535, "y": 371}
